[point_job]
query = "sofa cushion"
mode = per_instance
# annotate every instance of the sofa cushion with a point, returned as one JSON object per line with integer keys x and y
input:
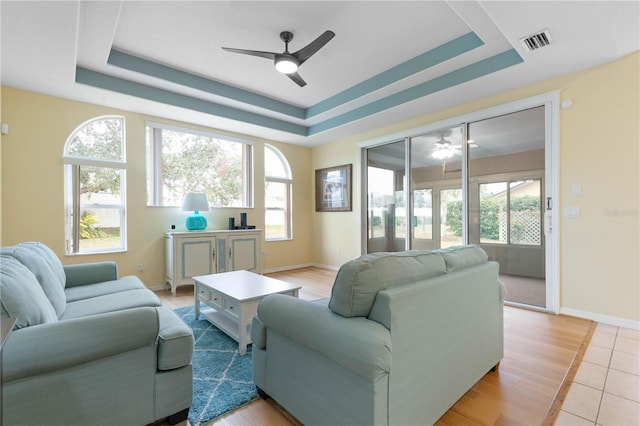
{"x": 175, "y": 341}
{"x": 21, "y": 296}
{"x": 461, "y": 257}
{"x": 46, "y": 267}
{"x": 126, "y": 283}
{"x": 111, "y": 302}
{"x": 358, "y": 281}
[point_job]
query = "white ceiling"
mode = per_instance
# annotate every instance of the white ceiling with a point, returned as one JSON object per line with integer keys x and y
{"x": 43, "y": 43}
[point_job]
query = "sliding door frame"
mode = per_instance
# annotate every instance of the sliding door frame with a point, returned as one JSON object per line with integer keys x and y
{"x": 551, "y": 102}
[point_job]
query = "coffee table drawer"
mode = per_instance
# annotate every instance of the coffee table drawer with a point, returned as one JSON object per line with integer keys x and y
{"x": 211, "y": 298}
{"x": 230, "y": 307}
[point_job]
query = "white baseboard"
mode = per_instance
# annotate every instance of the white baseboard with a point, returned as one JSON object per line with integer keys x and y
{"x": 159, "y": 287}
{"x": 605, "y": 319}
{"x": 304, "y": 265}
{"x": 286, "y": 268}
{"x": 330, "y": 267}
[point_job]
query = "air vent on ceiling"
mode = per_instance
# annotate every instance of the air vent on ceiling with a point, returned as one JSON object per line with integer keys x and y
{"x": 536, "y": 41}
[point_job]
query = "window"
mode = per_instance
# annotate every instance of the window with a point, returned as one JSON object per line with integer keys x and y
{"x": 510, "y": 212}
{"x": 277, "y": 195}
{"x": 94, "y": 183}
{"x": 181, "y": 160}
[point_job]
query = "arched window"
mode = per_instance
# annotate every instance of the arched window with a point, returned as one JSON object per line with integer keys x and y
{"x": 277, "y": 195}
{"x": 94, "y": 187}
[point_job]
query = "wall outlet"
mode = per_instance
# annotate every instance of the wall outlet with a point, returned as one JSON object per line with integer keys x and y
{"x": 140, "y": 267}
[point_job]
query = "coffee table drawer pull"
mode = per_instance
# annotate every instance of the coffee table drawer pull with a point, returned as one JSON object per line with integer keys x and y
{"x": 230, "y": 308}
{"x": 214, "y": 299}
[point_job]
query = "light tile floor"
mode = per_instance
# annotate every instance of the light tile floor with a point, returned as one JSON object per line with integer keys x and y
{"x": 606, "y": 388}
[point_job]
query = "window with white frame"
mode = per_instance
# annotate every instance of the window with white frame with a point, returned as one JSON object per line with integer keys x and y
{"x": 277, "y": 195}
{"x": 182, "y": 160}
{"x": 94, "y": 183}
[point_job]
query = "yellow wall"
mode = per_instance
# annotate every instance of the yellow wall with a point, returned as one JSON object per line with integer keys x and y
{"x": 599, "y": 140}
{"x": 32, "y": 187}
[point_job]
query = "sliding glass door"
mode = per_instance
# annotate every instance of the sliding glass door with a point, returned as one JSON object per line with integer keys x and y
{"x": 481, "y": 182}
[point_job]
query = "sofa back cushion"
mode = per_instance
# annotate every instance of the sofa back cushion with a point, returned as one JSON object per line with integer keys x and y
{"x": 21, "y": 295}
{"x": 46, "y": 267}
{"x": 462, "y": 257}
{"x": 359, "y": 281}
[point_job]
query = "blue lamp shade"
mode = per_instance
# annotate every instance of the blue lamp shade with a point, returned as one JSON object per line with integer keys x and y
{"x": 196, "y": 202}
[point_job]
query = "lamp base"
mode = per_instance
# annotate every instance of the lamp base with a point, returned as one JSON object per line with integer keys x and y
{"x": 196, "y": 222}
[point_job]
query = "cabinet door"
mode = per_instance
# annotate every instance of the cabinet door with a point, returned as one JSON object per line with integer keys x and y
{"x": 243, "y": 253}
{"x": 198, "y": 257}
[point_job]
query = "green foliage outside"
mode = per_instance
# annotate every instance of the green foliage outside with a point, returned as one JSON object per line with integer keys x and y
{"x": 490, "y": 208}
{"x": 454, "y": 217}
{"x": 194, "y": 163}
{"x": 89, "y": 227}
{"x": 99, "y": 140}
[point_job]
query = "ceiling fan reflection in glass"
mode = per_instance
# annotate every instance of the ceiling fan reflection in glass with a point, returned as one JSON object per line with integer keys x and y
{"x": 443, "y": 150}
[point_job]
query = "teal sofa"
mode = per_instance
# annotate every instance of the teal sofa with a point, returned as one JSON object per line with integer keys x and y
{"x": 402, "y": 338}
{"x": 88, "y": 348}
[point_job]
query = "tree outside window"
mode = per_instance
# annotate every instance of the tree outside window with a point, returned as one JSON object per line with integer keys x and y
{"x": 185, "y": 160}
{"x": 95, "y": 187}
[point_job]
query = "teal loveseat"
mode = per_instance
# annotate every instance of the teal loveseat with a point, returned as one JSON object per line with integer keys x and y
{"x": 88, "y": 348}
{"x": 402, "y": 338}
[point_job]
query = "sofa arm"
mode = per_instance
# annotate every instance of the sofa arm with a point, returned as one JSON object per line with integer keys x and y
{"x": 51, "y": 347}
{"x": 90, "y": 273}
{"x": 360, "y": 345}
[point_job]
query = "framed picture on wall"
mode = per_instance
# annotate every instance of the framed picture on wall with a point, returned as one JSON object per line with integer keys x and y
{"x": 333, "y": 189}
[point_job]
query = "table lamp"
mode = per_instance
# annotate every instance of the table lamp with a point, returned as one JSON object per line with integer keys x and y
{"x": 196, "y": 202}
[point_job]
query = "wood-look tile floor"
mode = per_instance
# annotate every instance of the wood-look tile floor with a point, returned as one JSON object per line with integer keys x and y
{"x": 539, "y": 351}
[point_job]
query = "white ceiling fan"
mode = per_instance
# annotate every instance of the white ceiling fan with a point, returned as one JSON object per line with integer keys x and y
{"x": 444, "y": 149}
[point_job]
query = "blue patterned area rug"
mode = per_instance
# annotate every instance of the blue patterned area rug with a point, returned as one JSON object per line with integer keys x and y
{"x": 222, "y": 379}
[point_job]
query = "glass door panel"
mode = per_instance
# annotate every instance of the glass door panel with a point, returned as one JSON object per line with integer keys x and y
{"x": 386, "y": 224}
{"x": 506, "y": 171}
{"x": 436, "y": 182}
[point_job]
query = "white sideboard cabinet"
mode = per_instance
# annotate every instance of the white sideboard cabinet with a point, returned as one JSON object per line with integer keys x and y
{"x": 189, "y": 254}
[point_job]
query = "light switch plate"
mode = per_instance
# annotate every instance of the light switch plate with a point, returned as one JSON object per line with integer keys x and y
{"x": 572, "y": 212}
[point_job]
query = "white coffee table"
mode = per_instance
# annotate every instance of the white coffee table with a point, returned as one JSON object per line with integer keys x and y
{"x": 232, "y": 299}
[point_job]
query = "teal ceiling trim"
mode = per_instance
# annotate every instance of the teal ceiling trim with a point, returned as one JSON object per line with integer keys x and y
{"x": 96, "y": 79}
{"x": 143, "y": 66}
{"x": 419, "y": 63}
{"x": 470, "y": 72}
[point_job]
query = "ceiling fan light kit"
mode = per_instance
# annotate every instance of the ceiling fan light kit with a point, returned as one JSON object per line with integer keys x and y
{"x": 442, "y": 153}
{"x": 288, "y": 63}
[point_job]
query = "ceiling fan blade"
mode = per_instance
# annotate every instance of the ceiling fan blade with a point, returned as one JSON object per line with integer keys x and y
{"x": 296, "y": 77}
{"x": 266, "y": 55}
{"x": 311, "y": 48}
